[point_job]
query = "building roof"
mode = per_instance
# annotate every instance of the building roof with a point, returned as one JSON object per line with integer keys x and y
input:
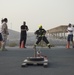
{"x": 59, "y": 29}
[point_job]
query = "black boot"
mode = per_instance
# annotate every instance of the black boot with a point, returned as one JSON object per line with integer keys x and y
{"x": 49, "y": 46}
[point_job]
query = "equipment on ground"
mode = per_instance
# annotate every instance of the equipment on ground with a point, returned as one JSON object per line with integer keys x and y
{"x": 36, "y": 60}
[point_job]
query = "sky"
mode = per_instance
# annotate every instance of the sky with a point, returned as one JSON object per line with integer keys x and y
{"x": 49, "y": 13}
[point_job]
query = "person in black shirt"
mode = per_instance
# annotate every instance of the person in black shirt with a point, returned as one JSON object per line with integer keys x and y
{"x": 23, "y": 35}
{"x": 41, "y": 36}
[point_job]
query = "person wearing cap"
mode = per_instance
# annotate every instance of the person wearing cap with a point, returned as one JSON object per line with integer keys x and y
{"x": 70, "y": 35}
{"x": 5, "y": 33}
{"x": 41, "y": 36}
{"x": 23, "y": 35}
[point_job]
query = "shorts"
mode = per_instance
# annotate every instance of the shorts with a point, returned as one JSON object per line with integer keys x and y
{"x": 70, "y": 38}
{"x": 1, "y": 37}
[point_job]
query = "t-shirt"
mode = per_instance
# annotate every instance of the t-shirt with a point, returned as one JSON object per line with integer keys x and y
{"x": 0, "y": 28}
{"x": 4, "y": 29}
{"x": 73, "y": 33}
{"x": 70, "y": 30}
{"x": 24, "y": 28}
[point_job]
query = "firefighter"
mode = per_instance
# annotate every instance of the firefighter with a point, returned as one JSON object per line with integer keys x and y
{"x": 41, "y": 36}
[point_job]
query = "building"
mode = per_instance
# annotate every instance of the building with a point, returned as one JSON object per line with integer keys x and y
{"x": 58, "y": 32}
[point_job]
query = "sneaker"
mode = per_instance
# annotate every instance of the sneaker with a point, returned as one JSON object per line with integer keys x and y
{"x": 34, "y": 46}
{"x": 73, "y": 47}
{"x": 4, "y": 49}
{"x": 49, "y": 46}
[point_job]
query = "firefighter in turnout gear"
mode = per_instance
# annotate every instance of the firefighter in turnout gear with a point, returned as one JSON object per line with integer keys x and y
{"x": 41, "y": 36}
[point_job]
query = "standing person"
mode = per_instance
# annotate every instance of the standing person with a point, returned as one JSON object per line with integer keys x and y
{"x": 1, "y": 40}
{"x": 73, "y": 33}
{"x": 23, "y": 35}
{"x": 70, "y": 36}
{"x": 41, "y": 36}
{"x": 5, "y": 33}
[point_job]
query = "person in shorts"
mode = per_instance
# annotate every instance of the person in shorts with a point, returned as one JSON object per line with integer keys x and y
{"x": 73, "y": 33}
{"x": 70, "y": 36}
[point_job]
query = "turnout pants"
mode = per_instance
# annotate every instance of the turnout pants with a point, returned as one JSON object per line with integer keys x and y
{"x": 42, "y": 38}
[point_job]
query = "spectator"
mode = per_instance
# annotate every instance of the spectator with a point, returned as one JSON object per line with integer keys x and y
{"x": 70, "y": 36}
{"x": 23, "y": 35}
{"x": 5, "y": 33}
{"x": 1, "y": 39}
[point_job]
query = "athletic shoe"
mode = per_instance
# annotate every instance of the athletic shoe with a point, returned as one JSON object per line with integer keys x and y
{"x": 4, "y": 49}
{"x": 73, "y": 47}
{"x": 49, "y": 46}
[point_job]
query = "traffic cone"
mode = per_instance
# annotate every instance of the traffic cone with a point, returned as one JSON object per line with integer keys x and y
{"x": 22, "y": 44}
{"x": 68, "y": 45}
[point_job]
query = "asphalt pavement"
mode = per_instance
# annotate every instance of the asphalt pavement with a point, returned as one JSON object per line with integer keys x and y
{"x": 61, "y": 61}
